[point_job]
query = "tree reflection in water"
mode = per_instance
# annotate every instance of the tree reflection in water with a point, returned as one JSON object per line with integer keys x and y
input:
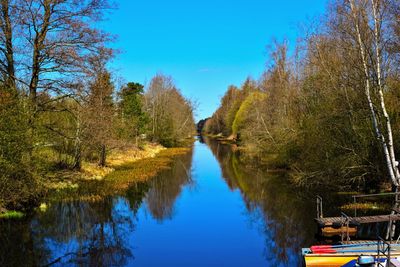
{"x": 77, "y": 233}
{"x": 282, "y": 214}
{"x": 84, "y": 233}
{"x": 101, "y": 233}
{"x": 166, "y": 187}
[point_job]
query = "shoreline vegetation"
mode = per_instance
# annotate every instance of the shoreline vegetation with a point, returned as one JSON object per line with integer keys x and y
{"x": 272, "y": 163}
{"x": 92, "y": 183}
{"x": 87, "y": 140}
{"x": 64, "y": 179}
{"x": 326, "y": 108}
{"x": 125, "y": 174}
{"x": 64, "y": 110}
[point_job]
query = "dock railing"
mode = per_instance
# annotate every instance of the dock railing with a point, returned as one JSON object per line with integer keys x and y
{"x": 345, "y": 227}
{"x": 355, "y": 197}
{"x": 383, "y": 253}
{"x": 320, "y": 213}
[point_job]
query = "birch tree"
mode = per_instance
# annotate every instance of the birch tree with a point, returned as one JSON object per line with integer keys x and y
{"x": 371, "y": 58}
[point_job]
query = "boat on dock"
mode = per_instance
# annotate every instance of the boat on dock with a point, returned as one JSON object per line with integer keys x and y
{"x": 348, "y": 255}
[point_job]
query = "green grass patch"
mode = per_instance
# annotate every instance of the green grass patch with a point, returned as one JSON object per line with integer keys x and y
{"x": 366, "y": 206}
{"x": 12, "y": 214}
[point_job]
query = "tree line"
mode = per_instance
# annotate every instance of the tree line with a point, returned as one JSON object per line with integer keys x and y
{"x": 59, "y": 102}
{"x": 328, "y": 110}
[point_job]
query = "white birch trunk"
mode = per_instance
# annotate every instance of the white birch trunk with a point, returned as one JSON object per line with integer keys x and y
{"x": 378, "y": 132}
{"x": 377, "y": 39}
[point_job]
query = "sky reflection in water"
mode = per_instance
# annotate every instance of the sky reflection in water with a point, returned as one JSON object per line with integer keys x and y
{"x": 208, "y": 210}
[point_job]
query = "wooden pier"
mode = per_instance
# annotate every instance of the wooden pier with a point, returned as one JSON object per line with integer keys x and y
{"x": 347, "y": 226}
{"x": 332, "y": 221}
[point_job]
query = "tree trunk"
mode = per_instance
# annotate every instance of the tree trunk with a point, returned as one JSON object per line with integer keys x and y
{"x": 8, "y": 38}
{"x": 381, "y": 138}
{"x": 378, "y": 41}
{"x": 102, "y": 160}
{"x": 78, "y": 149}
{"x": 38, "y": 47}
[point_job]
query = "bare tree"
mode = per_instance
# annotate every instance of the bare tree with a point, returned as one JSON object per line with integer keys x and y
{"x": 171, "y": 114}
{"x": 58, "y": 39}
{"x": 7, "y": 67}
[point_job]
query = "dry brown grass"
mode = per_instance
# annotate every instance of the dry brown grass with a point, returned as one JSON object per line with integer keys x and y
{"x": 68, "y": 179}
{"x": 121, "y": 178}
{"x": 120, "y": 157}
{"x": 142, "y": 170}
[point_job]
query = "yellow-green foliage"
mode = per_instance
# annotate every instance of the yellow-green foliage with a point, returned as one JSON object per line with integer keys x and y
{"x": 231, "y": 115}
{"x": 12, "y": 215}
{"x": 366, "y": 206}
{"x": 245, "y": 109}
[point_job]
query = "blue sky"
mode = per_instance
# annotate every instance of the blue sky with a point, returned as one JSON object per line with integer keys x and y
{"x": 204, "y": 45}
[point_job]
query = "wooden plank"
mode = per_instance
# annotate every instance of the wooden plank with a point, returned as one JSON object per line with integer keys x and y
{"x": 355, "y": 242}
{"x": 395, "y": 262}
{"x": 369, "y": 241}
{"x": 328, "y": 221}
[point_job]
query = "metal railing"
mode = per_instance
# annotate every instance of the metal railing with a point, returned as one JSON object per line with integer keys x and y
{"x": 383, "y": 253}
{"x": 355, "y": 197}
{"x": 345, "y": 222}
{"x": 320, "y": 213}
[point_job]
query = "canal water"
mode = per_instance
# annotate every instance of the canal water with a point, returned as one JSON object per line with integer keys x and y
{"x": 209, "y": 209}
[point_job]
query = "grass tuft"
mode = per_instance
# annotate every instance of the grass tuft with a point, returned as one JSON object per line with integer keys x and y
{"x": 12, "y": 214}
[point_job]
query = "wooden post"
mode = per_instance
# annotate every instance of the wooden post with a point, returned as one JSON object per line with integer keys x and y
{"x": 355, "y": 206}
{"x": 320, "y": 213}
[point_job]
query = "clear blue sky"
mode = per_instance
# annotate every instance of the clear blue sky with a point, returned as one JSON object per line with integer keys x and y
{"x": 204, "y": 45}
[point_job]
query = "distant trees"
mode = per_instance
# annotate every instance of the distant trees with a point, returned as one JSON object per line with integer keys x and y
{"x": 329, "y": 112}
{"x": 171, "y": 115}
{"x": 224, "y": 117}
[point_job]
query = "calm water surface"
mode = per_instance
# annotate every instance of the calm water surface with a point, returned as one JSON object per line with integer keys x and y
{"x": 208, "y": 210}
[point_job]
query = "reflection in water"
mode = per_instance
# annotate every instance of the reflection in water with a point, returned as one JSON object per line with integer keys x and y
{"x": 284, "y": 216}
{"x": 239, "y": 215}
{"x": 167, "y": 186}
{"x": 82, "y": 233}
{"x": 16, "y": 246}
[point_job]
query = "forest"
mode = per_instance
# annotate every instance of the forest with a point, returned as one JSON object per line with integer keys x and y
{"x": 62, "y": 105}
{"x": 328, "y": 109}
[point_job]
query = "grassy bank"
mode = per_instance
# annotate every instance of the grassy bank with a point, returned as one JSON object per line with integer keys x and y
{"x": 69, "y": 179}
{"x": 124, "y": 168}
{"x": 120, "y": 178}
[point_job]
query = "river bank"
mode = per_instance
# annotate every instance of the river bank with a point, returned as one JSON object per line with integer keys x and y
{"x": 124, "y": 168}
{"x": 64, "y": 179}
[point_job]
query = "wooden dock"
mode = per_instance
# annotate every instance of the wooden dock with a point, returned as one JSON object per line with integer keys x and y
{"x": 334, "y": 221}
{"x": 368, "y": 241}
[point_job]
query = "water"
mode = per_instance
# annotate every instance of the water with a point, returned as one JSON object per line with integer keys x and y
{"x": 208, "y": 210}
